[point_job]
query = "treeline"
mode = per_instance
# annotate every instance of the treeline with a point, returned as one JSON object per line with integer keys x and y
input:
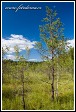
{"x": 66, "y": 64}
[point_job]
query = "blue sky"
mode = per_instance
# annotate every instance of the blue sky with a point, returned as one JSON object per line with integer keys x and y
{"x": 26, "y": 22}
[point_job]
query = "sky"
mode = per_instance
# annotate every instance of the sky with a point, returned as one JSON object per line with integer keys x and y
{"x": 21, "y": 27}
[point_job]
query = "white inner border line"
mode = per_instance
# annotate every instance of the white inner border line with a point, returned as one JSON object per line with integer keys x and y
{"x": 1, "y": 55}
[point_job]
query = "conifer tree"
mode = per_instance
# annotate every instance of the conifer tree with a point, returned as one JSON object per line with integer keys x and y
{"x": 52, "y": 40}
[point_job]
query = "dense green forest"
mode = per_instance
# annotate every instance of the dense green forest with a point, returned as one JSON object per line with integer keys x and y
{"x": 37, "y": 85}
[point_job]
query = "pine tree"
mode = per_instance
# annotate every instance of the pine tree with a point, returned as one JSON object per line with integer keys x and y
{"x": 52, "y": 40}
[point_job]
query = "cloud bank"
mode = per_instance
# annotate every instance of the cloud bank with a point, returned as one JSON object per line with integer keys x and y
{"x": 22, "y": 44}
{"x": 70, "y": 43}
{"x": 10, "y": 56}
{"x": 18, "y": 40}
{"x": 35, "y": 60}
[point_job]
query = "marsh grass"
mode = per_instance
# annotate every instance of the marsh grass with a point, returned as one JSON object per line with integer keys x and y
{"x": 37, "y": 92}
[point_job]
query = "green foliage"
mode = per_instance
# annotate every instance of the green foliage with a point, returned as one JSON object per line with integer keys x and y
{"x": 51, "y": 33}
{"x": 16, "y": 52}
{"x": 71, "y": 53}
{"x": 37, "y": 88}
{"x": 4, "y": 51}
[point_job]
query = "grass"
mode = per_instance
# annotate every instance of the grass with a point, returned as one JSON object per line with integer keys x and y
{"x": 37, "y": 92}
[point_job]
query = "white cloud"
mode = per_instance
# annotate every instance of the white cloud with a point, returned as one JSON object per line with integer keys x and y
{"x": 18, "y": 40}
{"x": 33, "y": 60}
{"x": 70, "y": 43}
{"x": 12, "y": 57}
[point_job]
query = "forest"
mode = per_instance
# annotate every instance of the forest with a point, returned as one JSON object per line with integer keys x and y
{"x": 45, "y": 85}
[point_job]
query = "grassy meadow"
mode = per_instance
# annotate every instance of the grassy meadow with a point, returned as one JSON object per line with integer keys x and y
{"x": 37, "y": 87}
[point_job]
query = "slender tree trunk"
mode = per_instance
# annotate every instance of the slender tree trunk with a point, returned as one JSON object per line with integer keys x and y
{"x": 52, "y": 84}
{"x": 57, "y": 81}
